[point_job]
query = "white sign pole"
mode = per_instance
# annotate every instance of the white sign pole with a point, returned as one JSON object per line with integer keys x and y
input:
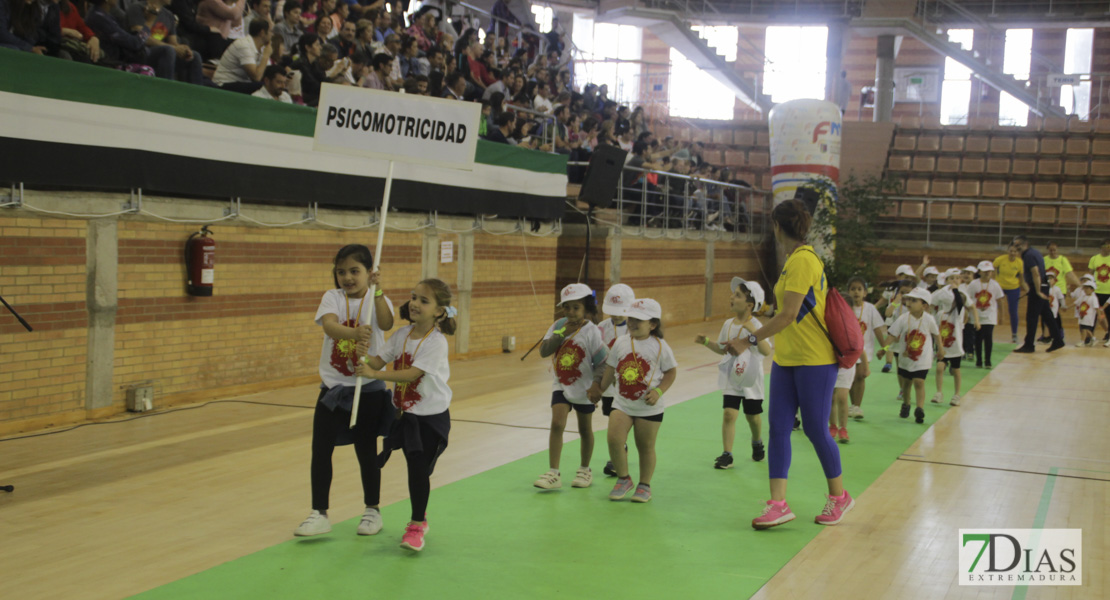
{"x": 373, "y": 287}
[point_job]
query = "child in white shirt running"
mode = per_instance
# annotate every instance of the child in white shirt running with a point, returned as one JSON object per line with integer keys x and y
{"x": 617, "y": 300}
{"x": 917, "y": 332}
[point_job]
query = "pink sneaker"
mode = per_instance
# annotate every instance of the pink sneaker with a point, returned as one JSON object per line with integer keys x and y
{"x": 842, "y": 435}
{"x": 835, "y": 509}
{"x": 773, "y": 514}
{"x": 832, "y": 432}
{"x": 414, "y": 536}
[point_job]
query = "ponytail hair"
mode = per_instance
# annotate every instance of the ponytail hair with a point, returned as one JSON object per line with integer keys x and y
{"x": 793, "y": 218}
{"x": 442, "y": 293}
{"x": 658, "y": 330}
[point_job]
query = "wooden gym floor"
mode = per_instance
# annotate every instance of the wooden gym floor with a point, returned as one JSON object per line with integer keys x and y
{"x": 110, "y": 510}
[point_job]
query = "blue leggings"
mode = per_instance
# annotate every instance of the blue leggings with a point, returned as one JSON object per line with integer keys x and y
{"x": 809, "y": 388}
{"x": 1012, "y": 297}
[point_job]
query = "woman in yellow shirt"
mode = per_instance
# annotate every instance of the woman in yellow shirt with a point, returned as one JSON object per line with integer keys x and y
{"x": 1008, "y": 270}
{"x": 804, "y": 369}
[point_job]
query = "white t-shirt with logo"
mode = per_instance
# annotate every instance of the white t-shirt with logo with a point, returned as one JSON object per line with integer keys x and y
{"x": 1056, "y": 300}
{"x": 1086, "y": 307}
{"x": 740, "y": 375}
{"x": 572, "y": 365}
{"x": 638, "y": 372}
{"x": 914, "y": 335}
{"x": 869, "y": 321}
{"x": 985, "y": 299}
{"x": 610, "y": 331}
{"x": 429, "y": 394}
{"x": 338, "y": 358}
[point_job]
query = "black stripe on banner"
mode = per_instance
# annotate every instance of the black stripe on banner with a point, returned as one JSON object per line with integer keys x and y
{"x": 72, "y": 166}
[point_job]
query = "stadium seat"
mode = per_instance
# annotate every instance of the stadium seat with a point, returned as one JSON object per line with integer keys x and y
{"x": 948, "y": 164}
{"x": 1020, "y": 190}
{"x": 1073, "y": 192}
{"x": 1016, "y": 213}
{"x": 994, "y": 189}
{"x": 909, "y": 122}
{"x": 973, "y": 165}
{"x": 917, "y": 187}
{"x": 1077, "y": 125}
{"x": 1098, "y": 193}
{"x": 743, "y": 138}
{"x": 898, "y": 162}
{"x": 976, "y": 143}
{"x": 1078, "y": 146}
{"x": 1055, "y": 124}
{"x": 722, "y": 136}
{"x": 1026, "y": 145}
{"x": 952, "y": 143}
{"x": 938, "y": 211}
{"x": 963, "y": 211}
{"x": 759, "y": 159}
{"x": 735, "y": 158}
{"x": 943, "y": 188}
{"x": 1101, "y": 147}
{"x": 1045, "y": 215}
{"x": 928, "y": 143}
{"x": 1049, "y": 166}
{"x": 990, "y": 213}
{"x": 967, "y": 188}
{"x": 1024, "y": 166}
{"x": 1052, "y": 145}
{"x": 1100, "y": 168}
{"x": 1070, "y": 215}
{"x": 998, "y": 166}
{"x": 1098, "y": 217}
{"x": 1002, "y": 144}
{"x": 1046, "y": 190}
{"x": 763, "y": 139}
{"x": 905, "y": 142}
{"x": 924, "y": 164}
{"x": 911, "y": 209}
{"x": 1076, "y": 168}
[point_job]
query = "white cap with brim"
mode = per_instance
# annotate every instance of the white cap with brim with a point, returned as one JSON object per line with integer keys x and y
{"x": 986, "y": 265}
{"x": 618, "y": 299}
{"x": 904, "y": 270}
{"x": 754, "y": 289}
{"x": 971, "y": 268}
{"x": 921, "y": 294}
{"x": 574, "y": 291}
{"x": 931, "y": 271}
{"x": 645, "y": 309}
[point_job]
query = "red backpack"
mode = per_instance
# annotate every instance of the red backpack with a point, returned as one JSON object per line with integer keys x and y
{"x": 843, "y": 328}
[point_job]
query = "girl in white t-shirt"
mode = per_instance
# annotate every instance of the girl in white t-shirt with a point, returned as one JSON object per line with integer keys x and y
{"x": 969, "y": 274}
{"x": 1087, "y": 310}
{"x": 577, "y": 353}
{"x": 985, "y": 295}
{"x": 617, "y": 300}
{"x": 889, "y": 305}
{"x": 349, "y": 317}
{"x": 916, "y": 332}
{"x": 949, "y": 310}
{"x": 643, "y": 367}
{"x": 1057, "y": 302}
{"x": 741, "y": 377}
{"x": 873, "y": 326}
{"x": 896, "y": 309}
{"x": 418, "y": 353}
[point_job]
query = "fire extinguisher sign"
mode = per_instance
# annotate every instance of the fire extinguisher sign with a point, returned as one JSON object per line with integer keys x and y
{"x": 401, "y": 127}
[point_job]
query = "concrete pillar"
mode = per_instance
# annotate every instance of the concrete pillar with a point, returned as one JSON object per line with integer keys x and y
{"x": 464, "y": 287}
{"x": 101, "y": 300}
{"x": 884, "y": 80}
{"x": 429, "y": 256}
{"x": 710, "y": 273}
{"x": 834, "y": 59}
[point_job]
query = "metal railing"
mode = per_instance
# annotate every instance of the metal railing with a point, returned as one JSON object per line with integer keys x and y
{"x": 690, "y": 206}
{"x": 986, "y": 221}
{"x": 549, "y": 126}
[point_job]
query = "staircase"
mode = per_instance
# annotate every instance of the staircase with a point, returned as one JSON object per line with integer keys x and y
{"x": 667, "y": 26}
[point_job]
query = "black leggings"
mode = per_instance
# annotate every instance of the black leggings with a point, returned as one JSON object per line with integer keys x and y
{"x": 984, "y": 341}
{"x": 325, "y": 425}
{"x": 970, "y": 335}
{"x": 420, "y": 472}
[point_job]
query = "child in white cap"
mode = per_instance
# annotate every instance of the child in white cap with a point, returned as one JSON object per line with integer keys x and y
{"x": 985, "y": 294}
{"x": 874, "y": 330}
{"x": 617, "y": 300}
{"x": 927, "y": 275}
{"x": 741, "y": 377}
{"x": 1087, "y": 310}
{"x": 643, "y": 367}
{"x": 1057, "y": 302}
{"x": 969, "y": 274}
{"x": 577, "y": 352}
{"x": 890, "y": 305}
{"x": 917, "y": 332}
{"x": 948, "y": 304}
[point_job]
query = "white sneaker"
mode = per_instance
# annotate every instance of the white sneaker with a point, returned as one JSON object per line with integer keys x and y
{"x": 1090, "y": 343}
{"x": 582, "y": 478}
{"x": 549, "y": 481}
{"x": 955, "y": 400}
{"x": 1107, "y": 344}
{"x": 371, "y": 522}
{"x": 937, "y": 398}
{"x": 1080, "y": 344}
{"x": 315, "y": 524}
{"x": 856, "y": 412}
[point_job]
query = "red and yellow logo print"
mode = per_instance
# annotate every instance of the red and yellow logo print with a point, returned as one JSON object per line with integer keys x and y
{"x": 863, "y": 329}
{"x": 1083, "y": 308}
{"x": 1102, "y": 273}
{"x": 983, "y": 300}
{"x": 567, "y": 362}
{"x": 405, "y": 395}
{"x": 915, "y": 344}
{"x": 343, "y": 357}
{"x": 632, "y": 372}
{"x": 947, "y": 333}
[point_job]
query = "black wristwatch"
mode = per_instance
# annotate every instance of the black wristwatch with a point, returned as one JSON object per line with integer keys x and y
{"x": 752, "y": 339}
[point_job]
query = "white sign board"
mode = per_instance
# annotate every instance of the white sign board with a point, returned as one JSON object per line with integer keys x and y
{"x": 446, "y": 252}
{"x": 1060, "y": 79}
{"x": 394, "y": 126}
{"x": 916, "y": 84}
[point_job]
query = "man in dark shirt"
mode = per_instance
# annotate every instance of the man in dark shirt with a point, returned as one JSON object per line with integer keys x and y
{"x": 504, "y": 126}
{"x": 127, "y": 46}
{"x": 159, "y": 28}
{"x": 1035, "y": 284}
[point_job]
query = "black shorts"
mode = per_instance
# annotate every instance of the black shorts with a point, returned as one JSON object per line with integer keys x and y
{"x": 655, "y": 418}
{"x": 953, "y": 362}
{"x": 1090, "y": 328}
{"x": 559, "y": 398}
{"x": 606, "y": 405}
{"x": 904, "y": 374}
{"x": 751, "y": 406}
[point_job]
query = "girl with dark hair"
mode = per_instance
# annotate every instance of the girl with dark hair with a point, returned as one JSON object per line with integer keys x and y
{"x": 804, "y": 369}
{"x": 350, "y": 320}
{"x": 873, "y": 326}
{"x": 949, "y": 303}
{"x": 421, "y": 395}
{"x": 578, "y": 353}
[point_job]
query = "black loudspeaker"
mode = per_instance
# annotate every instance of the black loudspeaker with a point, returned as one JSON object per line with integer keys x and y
{"x": 599, "y": 186}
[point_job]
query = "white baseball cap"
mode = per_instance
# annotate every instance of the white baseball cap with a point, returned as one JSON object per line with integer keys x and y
{"x": 1087, "y": 278}
{"x": 942, "y": 299}
{"x": 986, "y": 265}
{"x": 971, "y": 268}
{"x": 904, "y": 270}
{"x": 574, "y": 291}
{"x": 754, "y": 289}
{"x": 931, "y": 271}
{"x": 644, "y": 309}
{"x": 618, "y": 299}
{"x": 921, "y": 294}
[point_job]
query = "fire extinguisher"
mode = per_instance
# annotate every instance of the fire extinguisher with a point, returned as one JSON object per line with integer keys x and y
{"x": 200, "y": 263}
